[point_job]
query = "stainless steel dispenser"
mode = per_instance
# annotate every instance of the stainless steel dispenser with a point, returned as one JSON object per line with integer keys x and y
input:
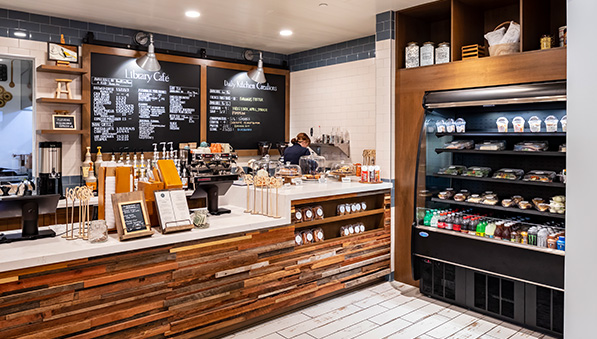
{"x": 50, "y": 168}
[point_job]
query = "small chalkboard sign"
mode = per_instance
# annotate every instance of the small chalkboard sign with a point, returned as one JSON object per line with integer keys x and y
{"x": 131, "y": 218}
{"x": 63, "y": 122}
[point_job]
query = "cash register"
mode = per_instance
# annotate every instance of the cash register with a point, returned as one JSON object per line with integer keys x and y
{"x": 28, "y": 208}
{"x": 210, "y": 174}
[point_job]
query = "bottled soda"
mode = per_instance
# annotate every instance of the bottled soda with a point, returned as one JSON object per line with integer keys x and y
{"x": 457, "y": 223}
{"x": 441, "y": 220}
{"x": 481, "y": 228}
{"x": 449, "y": 221}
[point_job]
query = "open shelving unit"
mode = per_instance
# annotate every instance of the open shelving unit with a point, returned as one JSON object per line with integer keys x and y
{"x": 502, "y": 181}
{"x": 465, "y": 22}
{"x": 375, "y": 218}
{"x": 500, "y": 208}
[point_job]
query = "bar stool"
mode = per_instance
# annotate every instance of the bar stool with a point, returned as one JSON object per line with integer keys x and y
{"x": 59, "y": 89}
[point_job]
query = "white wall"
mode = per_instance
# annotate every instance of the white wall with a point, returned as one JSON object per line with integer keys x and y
{"x": 71, "y": 144}
{"x": 340, "y": 95}
{"x": 580, "y": 309}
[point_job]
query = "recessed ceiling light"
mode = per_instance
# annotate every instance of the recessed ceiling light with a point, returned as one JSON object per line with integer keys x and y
{"x": 192, "y": 14}
{"x": 323, "y": 4}
{"x": 20, "y": 34}
{"x": 285, "y": 32}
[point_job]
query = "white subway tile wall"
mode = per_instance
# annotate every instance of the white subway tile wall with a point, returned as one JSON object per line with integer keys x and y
{"x": 342, "y": 96}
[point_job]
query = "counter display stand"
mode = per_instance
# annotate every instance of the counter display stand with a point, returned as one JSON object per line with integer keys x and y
{"x": 515, "y": 282}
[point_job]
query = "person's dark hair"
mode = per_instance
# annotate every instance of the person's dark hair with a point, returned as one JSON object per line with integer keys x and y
{"x": 299, "y": 137}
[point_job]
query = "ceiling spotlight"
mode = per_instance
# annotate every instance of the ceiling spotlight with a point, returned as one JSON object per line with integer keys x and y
{"x": 258, "y": 74}
{"x": 20, "y": 34}
{"x": 192, "y": 14}
{"x": 285, "y": 32}
{"x": 149, "y": 62}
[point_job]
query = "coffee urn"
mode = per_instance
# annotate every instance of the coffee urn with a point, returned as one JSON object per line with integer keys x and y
{"x": 50, "y": 168}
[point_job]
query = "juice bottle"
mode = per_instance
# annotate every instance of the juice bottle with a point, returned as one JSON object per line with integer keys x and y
{"x": 490, "y": 229}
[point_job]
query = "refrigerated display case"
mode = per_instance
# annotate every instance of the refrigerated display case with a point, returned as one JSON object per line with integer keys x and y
{"x": 489, "y": 273}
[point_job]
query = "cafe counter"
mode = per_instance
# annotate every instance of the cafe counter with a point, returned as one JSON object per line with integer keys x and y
{"x": 200, "y": 283}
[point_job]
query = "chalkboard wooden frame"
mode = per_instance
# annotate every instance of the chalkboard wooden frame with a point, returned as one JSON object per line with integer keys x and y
{"x": 122, "y": 199}
{"x": 73, "y": 117}
{"x": 87, "y": 50}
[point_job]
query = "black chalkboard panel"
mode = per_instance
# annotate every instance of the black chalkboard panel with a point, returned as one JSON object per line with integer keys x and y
{"x": 132, "y": 215}
{"x": 63, "y": 121}
{"x": 134, "y": 108}
{"x": 242, "y": 112}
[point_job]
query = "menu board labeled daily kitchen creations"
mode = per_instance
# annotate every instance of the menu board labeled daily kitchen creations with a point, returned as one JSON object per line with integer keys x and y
{"x": 131, "y": 106}
{"x": 242, "y": 112}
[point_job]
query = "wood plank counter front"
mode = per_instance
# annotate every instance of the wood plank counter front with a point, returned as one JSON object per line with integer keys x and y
{"x": 194, "y": 289}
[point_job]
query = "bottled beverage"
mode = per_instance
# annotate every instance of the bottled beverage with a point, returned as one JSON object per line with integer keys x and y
{"x": 441, "y": 220}
{"x": 449, "y": 221}
{"x": 499, "y": 230}
{"x": 514, "y": 236}
{"x": 507, "y": 232}
{"x": 457, "y": 223}
{"x": 464, "y": 224}
{"x": 427, "y": 218}
{"x": 532, "y": 236}
{"x": 472, "y": 228}
{"x": 524, "y": 237}
{"x": 561, "y": 243}
{"x": 434, "y": 219}
{"x": 542, "y": 237}
{"x": 481, "y": 228}
{"x": 490, "y": 229}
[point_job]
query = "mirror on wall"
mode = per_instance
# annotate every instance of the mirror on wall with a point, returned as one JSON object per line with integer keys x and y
{"x": 16, "y": 119}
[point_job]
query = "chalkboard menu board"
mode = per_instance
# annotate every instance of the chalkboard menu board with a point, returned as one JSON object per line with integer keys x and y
{"x": 131, "y": 106}
{"x": 132, "y": 215}
{"x": 242, "y": 112}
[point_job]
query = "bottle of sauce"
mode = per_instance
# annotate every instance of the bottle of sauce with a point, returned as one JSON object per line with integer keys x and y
{"x": 91, "y": 180}
{"x": 98, "y": 158}
{"x": 85, "y": 164}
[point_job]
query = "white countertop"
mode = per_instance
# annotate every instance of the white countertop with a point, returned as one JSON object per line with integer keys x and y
{"x": 46, "y": 251}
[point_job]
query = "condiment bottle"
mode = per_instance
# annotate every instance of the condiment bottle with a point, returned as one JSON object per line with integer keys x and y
{"x": 91, "y": 180}
{"x": 85, "y": 164}
{"x": 98, "y": 158}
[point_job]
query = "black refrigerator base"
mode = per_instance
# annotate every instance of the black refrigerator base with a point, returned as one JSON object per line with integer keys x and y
{"x": 535, "y": 307}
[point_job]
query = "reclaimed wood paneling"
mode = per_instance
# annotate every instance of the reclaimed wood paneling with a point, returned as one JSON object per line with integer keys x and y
{"x": 194, "y": 289}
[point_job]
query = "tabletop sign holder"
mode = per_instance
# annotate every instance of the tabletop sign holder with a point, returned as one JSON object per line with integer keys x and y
{"x": 130, "y": 214}
{"x": 63, "y": 122}
{"x": 173, "y": 211}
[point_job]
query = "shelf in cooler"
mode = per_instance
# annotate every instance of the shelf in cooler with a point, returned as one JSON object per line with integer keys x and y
{"x": 498, "y": 134}
{"x": 500, "y": 208}
{"x": 503, "y": 181}
{"x": 495, "y": 241}
{"x": 474, "y": 151}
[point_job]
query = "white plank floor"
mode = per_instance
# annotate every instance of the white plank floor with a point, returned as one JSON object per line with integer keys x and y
{"x": 385, "y": 310}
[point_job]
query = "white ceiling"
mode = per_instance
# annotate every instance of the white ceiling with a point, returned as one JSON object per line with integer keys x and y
{"x": 246, "y": 23}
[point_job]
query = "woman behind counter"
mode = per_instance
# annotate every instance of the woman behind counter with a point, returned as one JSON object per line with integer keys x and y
{"x": 299, "y": 148}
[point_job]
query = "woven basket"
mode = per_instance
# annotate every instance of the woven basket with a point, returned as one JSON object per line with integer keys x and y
{"x": 503, "y": 49}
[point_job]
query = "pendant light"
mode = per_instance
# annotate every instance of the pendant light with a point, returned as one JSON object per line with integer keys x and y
{"x": 149, "y": 62}
{"x": 257, "y": 74}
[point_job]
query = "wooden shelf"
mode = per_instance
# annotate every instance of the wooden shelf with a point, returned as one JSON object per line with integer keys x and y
{"x": 58, "y": 131}
{"x": 327, "y": 220}
{"x": 503, "y": 181}
{"x": 500, "y": 208}
{"x": 60, "y": 69}
{"x": 61, "y": 101}
{"x": 329, "y": 240}
{"x": 474, "y": 151}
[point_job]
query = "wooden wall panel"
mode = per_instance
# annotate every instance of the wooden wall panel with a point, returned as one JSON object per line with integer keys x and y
{"x": 411, "y": 84}
{"x": 200, "y": 288}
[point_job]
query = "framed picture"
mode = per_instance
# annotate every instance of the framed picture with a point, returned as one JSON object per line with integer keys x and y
{"x": 63, "y": 53}
{"x": 63, "y": 122}
{"x": 130, "y": 214}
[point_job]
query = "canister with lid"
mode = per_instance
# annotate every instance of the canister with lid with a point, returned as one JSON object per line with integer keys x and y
{"x": 442, "y": 53}
{"x": 427, "y": 53}
{"x": 412, "y": 55}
